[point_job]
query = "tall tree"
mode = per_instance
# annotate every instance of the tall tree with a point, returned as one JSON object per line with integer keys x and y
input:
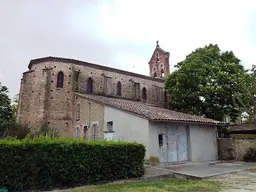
{"x": 6, "y": 113}
{"x": 206, "y": 81}
{"x": 248, "y": 100}
{"x": 15, "y": 106}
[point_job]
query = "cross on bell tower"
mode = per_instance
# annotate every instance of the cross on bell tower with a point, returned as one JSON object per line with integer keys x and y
{"x": 157, "y": 43}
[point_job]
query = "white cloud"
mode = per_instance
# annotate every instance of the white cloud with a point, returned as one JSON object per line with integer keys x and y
{"x": 181, "y": 26}
{"x": 120, "y": 33}
{"x": 136, "y": 65}
{"x": 1, "y": 75}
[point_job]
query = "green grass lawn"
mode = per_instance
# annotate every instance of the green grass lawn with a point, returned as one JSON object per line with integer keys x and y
{"x": 166, "y": 185}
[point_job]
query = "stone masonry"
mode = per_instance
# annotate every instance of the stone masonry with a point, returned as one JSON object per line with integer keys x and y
{"x": 90, "y": 112}
{"x": 41, "y": 101}
{"x": 234, "y": 149}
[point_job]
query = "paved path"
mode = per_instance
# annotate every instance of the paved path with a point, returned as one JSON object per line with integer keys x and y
{"x": 233, "y": 177}
{"x": 153, "y": 173}
{"x": 204, "y": 170}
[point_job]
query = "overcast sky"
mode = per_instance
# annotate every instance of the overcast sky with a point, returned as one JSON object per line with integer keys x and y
{"x": 120, "y": 33}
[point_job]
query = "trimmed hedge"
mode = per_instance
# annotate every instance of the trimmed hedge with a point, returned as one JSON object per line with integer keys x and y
{"x": 45, "y": 164}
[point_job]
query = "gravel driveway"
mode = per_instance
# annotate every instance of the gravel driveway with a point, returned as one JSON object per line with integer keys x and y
{"x": 244, "y": 181}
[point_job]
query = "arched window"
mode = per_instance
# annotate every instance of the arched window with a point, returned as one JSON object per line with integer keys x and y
{"x": 154, "y": 72}
{"x": 60, "y": 79}
{"x": 144, "y": 94}
{"x": 89, "y": 85}
{"x": 118, "y": 88}
{"x": 162, "y": 72}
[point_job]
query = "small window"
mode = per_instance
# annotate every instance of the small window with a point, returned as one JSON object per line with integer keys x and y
{"x": 89, "y": 85}
{"x": 118, "y": 88}
{"x": 110, "y": 126}
{"x": 78, "y": 111}
{"x": 155, "y": 75}
{"x": 160, "y": 140}
{"x": 77, "y": 132}
{"x": 60, "y": 79}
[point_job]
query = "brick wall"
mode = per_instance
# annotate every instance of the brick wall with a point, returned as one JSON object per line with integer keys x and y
{"x": 234, "y": 149}
{"x": 157, "y": 66}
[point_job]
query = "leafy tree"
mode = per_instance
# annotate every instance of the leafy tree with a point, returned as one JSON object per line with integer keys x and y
{"x": 248, "y": 100}
{"x": 8, "y": 125}
{"x": 14, "y": 129}
{"x": 5, "y": 105}
{"x": 206, "y": 81}
{"x": 15, "y": 106}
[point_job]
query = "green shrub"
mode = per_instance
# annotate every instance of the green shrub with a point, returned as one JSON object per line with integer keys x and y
{"x": 13, "y": 129}
{"x": 46, "y": 163}
{"x": 44, "y": 131}
{"x": 16, "y": 130}
{"x": 250, "y": 155}
{"x": 154, "y": 160}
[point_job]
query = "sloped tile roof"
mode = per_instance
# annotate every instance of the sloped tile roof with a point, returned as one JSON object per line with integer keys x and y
{"x": 148, "y": 111}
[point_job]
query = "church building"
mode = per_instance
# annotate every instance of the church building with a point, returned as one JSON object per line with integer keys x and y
{"x": 96, "y": 102}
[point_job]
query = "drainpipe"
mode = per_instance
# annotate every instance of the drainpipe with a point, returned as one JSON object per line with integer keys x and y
{"x": 167, "y": 143}
{"x": 89, "y": 115}
{"x": 167, "y": 146}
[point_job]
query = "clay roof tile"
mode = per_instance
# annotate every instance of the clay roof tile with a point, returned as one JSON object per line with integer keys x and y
{"x": 147, "y": 111}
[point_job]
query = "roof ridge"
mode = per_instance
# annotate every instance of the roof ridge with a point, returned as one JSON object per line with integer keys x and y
{"x": 160, "y": 49}
{"x": 93, "y": 65}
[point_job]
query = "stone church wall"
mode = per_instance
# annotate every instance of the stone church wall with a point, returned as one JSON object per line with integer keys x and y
{"x": 105, "y": 83}
{"x": 41, "y": 100}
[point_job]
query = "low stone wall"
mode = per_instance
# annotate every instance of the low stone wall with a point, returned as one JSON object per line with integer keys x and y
{"x": 234, "y": 149}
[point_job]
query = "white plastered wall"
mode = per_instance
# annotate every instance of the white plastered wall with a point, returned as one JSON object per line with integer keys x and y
{"x": 127, "y": 127}
{"x": 203, "y": 143}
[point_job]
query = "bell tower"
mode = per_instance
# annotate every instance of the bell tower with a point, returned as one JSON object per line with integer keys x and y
{"x": 159, "y": 63}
